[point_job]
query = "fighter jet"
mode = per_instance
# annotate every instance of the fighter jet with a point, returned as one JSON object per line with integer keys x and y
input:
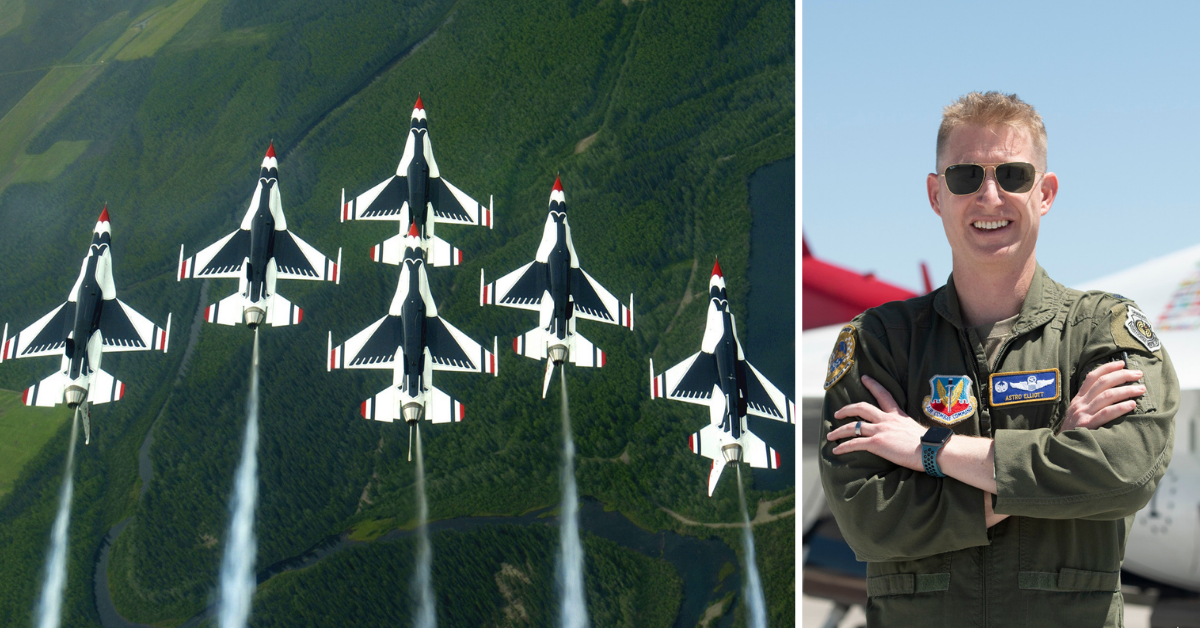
{"x": 412, "y": 341}
{"x": 718, "y": 376}
{"x": 261, "y": 251}
{"x": 417, "y": 194}
{"x": 92, "y": 322}
{"x": 560, "y": 291}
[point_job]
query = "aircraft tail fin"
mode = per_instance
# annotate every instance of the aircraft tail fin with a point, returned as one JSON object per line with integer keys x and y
{"x": 46, "y": 393}
{"x": 584, "y": 353}
{"x": 531, "y": 344}
{"x": 227, "y": 311}
{"x": 443, "y": 408}
{"x": 384, "y": 406}
{"x": 105, "y": 388}
{"x": 284, "y": 312}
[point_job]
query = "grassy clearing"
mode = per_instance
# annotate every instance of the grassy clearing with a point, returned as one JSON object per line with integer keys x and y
{"x": 95, "y": 43}
{"x": 11, "y": 12}
{"x": 48, "y": 165}
{"x": 38, "y": 107}
{"x": 25, "y": 431}
{"x": 153, "y": 31}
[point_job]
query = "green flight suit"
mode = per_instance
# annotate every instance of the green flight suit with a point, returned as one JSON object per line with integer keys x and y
{"x": 1072, "y": 497}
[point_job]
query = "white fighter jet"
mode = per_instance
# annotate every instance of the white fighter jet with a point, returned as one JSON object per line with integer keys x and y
{"x": 560, "y": 291}
{"x": 412, "y": 341}
{"x": 718, "y": 376}
{"x": 92, "y": 322}
{"x": 417, "y": 194}
{"x": 260, "y": 252}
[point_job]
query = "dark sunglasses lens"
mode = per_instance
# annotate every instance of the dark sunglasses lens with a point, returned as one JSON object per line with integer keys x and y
{"x": 964, "y": 178}
{"x": 1015, "y": 177}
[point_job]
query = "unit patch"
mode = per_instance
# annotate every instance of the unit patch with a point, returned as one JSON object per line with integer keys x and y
{"x": 1023, "y": 387}
{"x": 951, "y": 400}
{"x": 842, "y": 356}
{"x": 1138, "y": 326}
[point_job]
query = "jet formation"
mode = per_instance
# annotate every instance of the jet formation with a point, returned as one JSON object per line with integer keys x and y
{"x": 411, "y": 340}
{"x": 718, "y": 376}
{"x": 259, "y": 253}
{"x": 92, "y": 322}
{"x": 554, "y": 286}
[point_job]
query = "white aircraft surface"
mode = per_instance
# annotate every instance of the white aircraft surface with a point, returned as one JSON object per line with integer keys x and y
{"x": 260, "y": 252}
{"x": 720, "y": 378}
{"x": 92, "y": 322}
{"x": 417, "y": 194}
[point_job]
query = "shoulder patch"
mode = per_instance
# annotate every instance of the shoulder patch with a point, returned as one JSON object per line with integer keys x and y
{"x": 1130, "y": 325}
{"x": 842, "y": 357}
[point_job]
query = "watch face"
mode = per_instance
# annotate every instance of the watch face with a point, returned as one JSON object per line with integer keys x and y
{"x": 937, "y": 435}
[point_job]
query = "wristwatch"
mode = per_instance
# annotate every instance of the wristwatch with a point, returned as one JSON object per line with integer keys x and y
{"x": 931, "y": 444}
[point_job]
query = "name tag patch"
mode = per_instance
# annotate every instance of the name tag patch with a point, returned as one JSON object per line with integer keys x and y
{"x": 1024, "y": 387}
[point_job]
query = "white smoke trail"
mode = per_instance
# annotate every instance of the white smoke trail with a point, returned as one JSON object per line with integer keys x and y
{"x": 237, "y": 565}
{"x": 753, "y": 592}
{"x": 426, "y": 614}
{"x": 570, "y": 559}
{"x": 49, "y": 608}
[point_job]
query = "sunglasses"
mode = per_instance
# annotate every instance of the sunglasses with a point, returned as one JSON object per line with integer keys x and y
{"x": 1015, "y": 177}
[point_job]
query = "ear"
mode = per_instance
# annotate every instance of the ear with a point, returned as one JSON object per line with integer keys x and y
{"x": 1049, "y": 189}
{"x": 933, "y": 186}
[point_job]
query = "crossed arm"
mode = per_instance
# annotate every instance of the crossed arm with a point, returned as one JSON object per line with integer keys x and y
{"x": 889, "y": 433}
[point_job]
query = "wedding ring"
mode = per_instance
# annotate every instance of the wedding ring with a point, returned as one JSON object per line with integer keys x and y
{"x": 858, "y": 429}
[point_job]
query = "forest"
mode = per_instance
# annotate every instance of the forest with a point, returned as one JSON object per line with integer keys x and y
{"x": 679, "y": 103}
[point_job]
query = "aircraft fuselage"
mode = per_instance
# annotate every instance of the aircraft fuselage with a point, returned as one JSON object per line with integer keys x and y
{"x": 558, "y": 264}
{"x": 262, "y": 245}
{"x": 88, "y": 303}
{"x": 413, "y": 314}
{"x": 418, "y": 182}
{"x": 731, "y": 377}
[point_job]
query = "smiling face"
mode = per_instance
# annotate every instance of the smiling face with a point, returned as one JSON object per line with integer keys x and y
{"x": 991, "y": 229}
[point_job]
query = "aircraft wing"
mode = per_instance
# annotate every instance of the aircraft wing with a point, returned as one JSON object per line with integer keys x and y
{"x": 765, "y": 400}
{"x": 595, "y": 303}
{"x": 372, "y": 348}
{"x": 451, "y": 204}
{"x": 691, "y": 381}
{"x": 452, "y": 350}
{"x": 297, "y": 259}
{"x": 522, "y": 288}
{"x": 222, "y": 258}
{"x": 386, "y": 201}
{"x": 47, "y": 336}
{"x": 123, "y": 329}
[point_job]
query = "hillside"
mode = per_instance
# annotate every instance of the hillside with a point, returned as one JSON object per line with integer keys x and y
{"x": 655, "y": 114}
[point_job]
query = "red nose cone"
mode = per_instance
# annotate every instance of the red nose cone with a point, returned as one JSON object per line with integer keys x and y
{"x": 412, "y": 231}
{"x": 104, "y": 213}
{"x": 419, "y": 105}
{"x": 717, "y": 268}
{"x": 557, "y": 184}
{"x": 271, "y": 150}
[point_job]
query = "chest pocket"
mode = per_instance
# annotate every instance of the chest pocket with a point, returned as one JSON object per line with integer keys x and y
{"x": 1029, "y": 399}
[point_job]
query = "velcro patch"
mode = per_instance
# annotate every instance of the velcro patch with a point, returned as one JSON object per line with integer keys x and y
{"x": 1007, "y": 389}
{"x": 1132, "y": 323}
{"x": 950, "y": 399}
{"x": 842, "y": 357}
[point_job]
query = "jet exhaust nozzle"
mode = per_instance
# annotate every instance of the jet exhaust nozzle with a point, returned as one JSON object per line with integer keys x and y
{"x": 254, "y": 317}
{"x": 74, "y": 395}
{"x": 558, "y": 354}
{"x": 732, "y": 453}
{"x": 413, "y": 412}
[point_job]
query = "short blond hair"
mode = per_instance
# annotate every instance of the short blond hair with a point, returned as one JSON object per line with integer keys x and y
{"x": 991, "y": 108}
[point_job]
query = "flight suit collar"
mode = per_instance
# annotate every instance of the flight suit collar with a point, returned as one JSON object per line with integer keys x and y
{"x": 1041, "y": 302}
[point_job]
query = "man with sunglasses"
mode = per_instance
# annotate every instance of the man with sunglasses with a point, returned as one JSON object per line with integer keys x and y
{"x": 987, "y": 444}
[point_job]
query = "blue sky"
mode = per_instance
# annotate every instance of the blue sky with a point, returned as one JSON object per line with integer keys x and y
{"x": 1116, "y": 84}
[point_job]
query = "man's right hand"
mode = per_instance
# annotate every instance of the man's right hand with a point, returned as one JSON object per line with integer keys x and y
{"x": 1102, "y": 397}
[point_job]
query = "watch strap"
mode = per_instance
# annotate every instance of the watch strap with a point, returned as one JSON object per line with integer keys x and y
{"x": 929, "y": 459}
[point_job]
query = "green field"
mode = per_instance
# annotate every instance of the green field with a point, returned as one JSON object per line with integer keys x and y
{"x": 26, "y": 430}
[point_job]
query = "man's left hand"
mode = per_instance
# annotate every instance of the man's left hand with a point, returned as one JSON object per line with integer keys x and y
{"x": 886, "y": 430}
